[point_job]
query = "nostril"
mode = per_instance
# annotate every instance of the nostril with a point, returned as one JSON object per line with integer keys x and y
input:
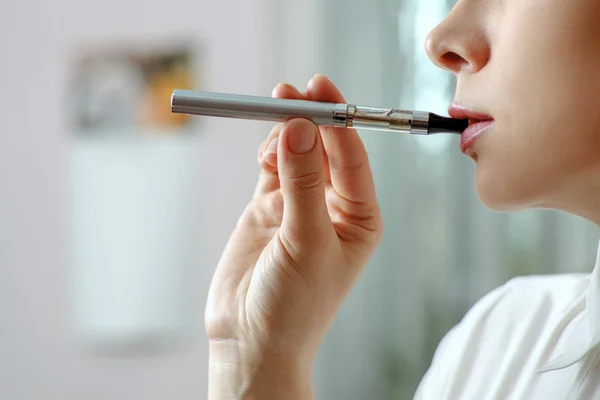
{"x": 451, "y": 58}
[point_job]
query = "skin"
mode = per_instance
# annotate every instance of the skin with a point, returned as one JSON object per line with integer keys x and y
{"x": 314, "y": 221}
{"x": 534, "y": 67}
{"x": 296, "y": 252}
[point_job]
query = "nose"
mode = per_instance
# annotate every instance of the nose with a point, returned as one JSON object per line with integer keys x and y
{"x": 459, "y": 43}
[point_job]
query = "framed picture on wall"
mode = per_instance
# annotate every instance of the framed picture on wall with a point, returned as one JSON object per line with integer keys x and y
{"x": 117, "y": 88}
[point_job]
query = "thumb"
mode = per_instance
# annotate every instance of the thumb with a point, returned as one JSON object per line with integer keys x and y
{"x": 301, "y": 175}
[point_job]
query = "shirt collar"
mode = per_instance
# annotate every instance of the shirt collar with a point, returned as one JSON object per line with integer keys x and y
{"x": 585, "y": 333}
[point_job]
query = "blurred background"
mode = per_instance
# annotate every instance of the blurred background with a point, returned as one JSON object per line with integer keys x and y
{"x": 113, "y": 212}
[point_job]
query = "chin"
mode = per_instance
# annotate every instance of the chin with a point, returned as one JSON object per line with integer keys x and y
{"x": 500, "y": 193}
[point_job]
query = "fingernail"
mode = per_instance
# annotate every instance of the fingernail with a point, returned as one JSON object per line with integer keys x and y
{"x": 301, "y": 137}
{"x": 272, "y": 146}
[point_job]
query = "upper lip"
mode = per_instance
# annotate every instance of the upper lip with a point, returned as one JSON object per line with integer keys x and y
{"x": 461, "y": 112}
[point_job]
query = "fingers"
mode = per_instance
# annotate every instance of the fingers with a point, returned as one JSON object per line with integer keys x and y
{"x": 351, "y": 175}
{"x": 287, "y": 91}
{"x": 268, "y": 180}
{"x": 301, "y": 174}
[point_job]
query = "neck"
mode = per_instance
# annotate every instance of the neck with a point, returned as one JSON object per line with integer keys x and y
{"x": 582, "y": 200}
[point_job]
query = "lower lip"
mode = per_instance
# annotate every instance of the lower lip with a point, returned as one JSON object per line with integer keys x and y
{"x": 472, "y": 133}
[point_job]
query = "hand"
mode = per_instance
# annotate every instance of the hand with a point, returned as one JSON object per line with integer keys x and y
{"x": 295, "y": 254}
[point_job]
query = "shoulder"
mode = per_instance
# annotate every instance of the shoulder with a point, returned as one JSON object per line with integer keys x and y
{"x": 523, "y": 296}
{"x": 523, "y": 307}
{"x": 527, "y": 304}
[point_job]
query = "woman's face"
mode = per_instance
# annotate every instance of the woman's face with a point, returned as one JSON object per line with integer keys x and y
{"x": 533, "y": 66}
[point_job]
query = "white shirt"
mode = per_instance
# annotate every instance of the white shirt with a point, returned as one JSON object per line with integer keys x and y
{"x": 534, "y": 338}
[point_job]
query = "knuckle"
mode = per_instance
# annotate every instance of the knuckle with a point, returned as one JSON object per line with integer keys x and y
{"x": 309, "y": 180}
{"x": 365, "y": 228}
{"x": 378, "y": 229}
{"x": 268, "y": 163}
{"x": 220, "y": 323}
{"x": 376, "y": 222}
{"x": 348, "y": 166}
{"x": 366, "y": 215}
{"x": 306, "y": 241}
{"x": 274, "y": 132}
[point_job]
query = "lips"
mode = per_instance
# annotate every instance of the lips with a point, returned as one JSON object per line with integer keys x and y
{"x": 478, "y": 124}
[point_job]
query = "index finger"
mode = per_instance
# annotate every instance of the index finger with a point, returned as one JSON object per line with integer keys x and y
{"x": 351, "y": 174}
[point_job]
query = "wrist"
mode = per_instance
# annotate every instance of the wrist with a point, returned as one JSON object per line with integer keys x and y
{"x": 239, "y": 372}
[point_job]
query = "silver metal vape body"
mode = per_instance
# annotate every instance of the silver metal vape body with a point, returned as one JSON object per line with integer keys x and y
{"x": 280, "y": 110}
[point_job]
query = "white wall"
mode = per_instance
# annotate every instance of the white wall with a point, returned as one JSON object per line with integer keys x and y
{"x": 38, "y": 355}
